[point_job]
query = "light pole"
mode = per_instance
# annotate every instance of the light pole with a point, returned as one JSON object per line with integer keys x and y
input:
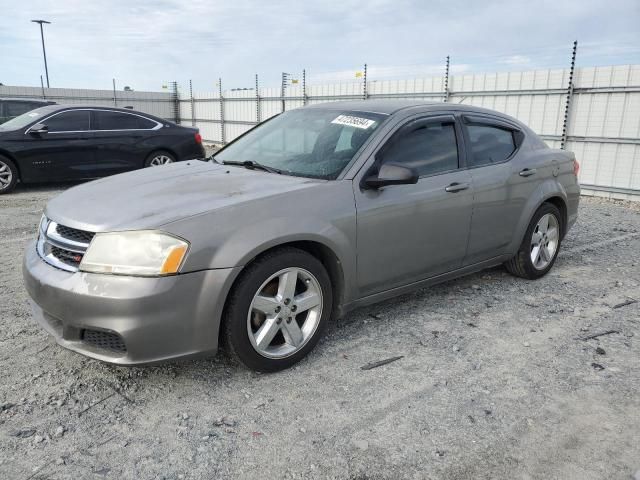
{"x": 44, "y": 52}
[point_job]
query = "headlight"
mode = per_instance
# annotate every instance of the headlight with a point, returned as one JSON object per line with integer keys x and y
{"x": 146, "y": 253}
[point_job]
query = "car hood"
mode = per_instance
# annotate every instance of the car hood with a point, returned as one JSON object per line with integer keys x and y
{"x": 153, "y": 197}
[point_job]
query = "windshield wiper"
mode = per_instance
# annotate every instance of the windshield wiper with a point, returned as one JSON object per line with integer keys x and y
{"x": 251, "y": 165}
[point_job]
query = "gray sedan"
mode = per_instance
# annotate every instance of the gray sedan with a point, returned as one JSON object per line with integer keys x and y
{"x": 304, "y": 218}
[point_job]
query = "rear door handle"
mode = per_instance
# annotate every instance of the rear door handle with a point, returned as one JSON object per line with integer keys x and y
{"x": 456, "y": 187}
{"x": 527, "y": 172}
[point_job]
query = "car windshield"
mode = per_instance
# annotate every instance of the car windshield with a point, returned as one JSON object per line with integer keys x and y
{"x": 317, "y": 143}
{"x": 23, "y": 120}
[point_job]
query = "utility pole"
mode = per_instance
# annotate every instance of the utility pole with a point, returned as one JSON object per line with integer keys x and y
{"x": 44, "y": 52}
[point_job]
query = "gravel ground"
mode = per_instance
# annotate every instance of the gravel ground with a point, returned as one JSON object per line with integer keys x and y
{"x": 496, "y": 381}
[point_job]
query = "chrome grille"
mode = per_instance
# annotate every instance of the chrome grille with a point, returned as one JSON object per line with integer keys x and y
{"x": 74, "y": 234}
{"x": 62, "y": 246}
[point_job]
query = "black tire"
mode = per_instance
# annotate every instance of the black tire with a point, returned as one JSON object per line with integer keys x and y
{"x": 7, "y": 165}
{"x": 152, "y": 155}
{"x": 521, "y": 264}
{"x": 235, "y": 336}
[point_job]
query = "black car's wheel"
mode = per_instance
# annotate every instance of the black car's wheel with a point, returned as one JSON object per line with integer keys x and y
{"x": 277, "y": 310}
{"x": 8, "y": 175}
{"x": 540, "y": 246}
{"x": 158, "y": 158}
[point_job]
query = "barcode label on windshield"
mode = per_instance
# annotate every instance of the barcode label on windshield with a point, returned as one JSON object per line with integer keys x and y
{"x": 351, "y": 121}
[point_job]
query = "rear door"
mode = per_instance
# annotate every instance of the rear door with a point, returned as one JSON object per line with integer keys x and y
{"x": 65, "y": 152}
{"x": 502, "y": 183}
{"x": 119, "y": 140}
{"x": 407, "y": 233}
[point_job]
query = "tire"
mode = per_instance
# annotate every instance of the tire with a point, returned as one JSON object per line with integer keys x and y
{"x": 248, "y": 332}
{"x": 159, "y": 157}
{"x": 8, "y": 175}
{"x": 522, "y": 264}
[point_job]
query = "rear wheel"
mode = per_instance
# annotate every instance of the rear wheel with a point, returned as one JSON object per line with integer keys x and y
{"x": 159, "y": 158}
{"x": 540, "y": 246}
{"x": 8, "y": 175}
{"x": 278, "y": 309}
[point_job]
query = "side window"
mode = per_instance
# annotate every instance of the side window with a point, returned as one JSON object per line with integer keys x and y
{"x": 71, "y": 121}
{"x": 106, "y": 120}
{"x": 429, "y": 147}
{"x": 490, "y": 144}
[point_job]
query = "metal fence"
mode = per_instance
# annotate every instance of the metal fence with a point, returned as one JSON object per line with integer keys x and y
{"x": 160, "y": 104}
{"x": 593, "y": 111}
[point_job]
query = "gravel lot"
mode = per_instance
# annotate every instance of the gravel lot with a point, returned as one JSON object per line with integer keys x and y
{"x": 496, "y": 381}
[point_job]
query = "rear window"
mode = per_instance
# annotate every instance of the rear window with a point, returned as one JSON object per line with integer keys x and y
{"x": 106, "y": 120}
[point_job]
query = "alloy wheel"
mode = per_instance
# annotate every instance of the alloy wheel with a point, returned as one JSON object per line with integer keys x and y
{"x": 160, "y": 160}
{"x": 285, "y": 313}
{"x": 6, "y": 176}
{"x": 544, "y": 241}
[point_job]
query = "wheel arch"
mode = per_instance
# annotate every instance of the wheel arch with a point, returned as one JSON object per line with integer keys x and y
{"x": 4, "y": 153}
{"x": 561, "y": 205}
{"x": 548, "y": 192}
{"x": 155, "y": 150}
{"x": 319, "y": 250}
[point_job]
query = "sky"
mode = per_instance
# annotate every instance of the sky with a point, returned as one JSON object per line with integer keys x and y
{"x": 145, "y": 44}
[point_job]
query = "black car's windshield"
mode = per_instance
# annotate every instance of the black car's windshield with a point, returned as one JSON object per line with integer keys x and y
{"x": 311, "y": 142}
{"x": 23, "y": 120}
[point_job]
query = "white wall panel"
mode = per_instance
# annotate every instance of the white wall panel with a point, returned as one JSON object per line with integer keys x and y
{"x": 604, "y": 124}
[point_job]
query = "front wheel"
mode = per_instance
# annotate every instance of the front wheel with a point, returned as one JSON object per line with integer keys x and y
{"x": 159, "y": 158}
{"x": 540, "y": 246}
{"x": 8, "y": 175}
{"x": 277, "y": 310}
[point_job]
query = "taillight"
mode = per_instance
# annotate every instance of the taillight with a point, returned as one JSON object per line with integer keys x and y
{"x": 576, "y": 167}
{"x": 198, "y": 137}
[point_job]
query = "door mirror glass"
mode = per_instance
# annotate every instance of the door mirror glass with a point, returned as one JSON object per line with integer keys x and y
{"x": 39, "y": 129}
{"x": 392, "y": 174}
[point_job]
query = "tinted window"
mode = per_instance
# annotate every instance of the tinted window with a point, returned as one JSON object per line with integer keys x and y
{"x": 71, "y": 121}
{"x": 105, "y": 120}
{"x": 427, "y": 147}
{"x": 490, "y": 144}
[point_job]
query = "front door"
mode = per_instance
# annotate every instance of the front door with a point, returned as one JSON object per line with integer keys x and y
{"x": 407, "y": 233}
{"x": 65, "y": 152}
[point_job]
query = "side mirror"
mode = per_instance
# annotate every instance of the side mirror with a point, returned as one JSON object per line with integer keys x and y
{"x": 392, "y": 174}
{"x": 39, "y": 129}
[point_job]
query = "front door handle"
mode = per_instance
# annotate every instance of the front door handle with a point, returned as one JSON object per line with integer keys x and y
{"x": 527, "y": 172}
{"x": 456, "y": 187}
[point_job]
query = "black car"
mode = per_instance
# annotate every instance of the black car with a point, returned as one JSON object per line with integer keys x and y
{"x": 58, "y": 143}
{"x": 13, "y": 107}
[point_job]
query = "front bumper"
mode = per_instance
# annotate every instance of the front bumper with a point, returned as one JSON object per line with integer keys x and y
{"x": 157, "y": 319}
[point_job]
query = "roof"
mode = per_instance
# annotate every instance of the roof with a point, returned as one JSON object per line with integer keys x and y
{"x": 372, "y": 106}
{"x": 46, "y": 109}
{"x": 391, "y": 106}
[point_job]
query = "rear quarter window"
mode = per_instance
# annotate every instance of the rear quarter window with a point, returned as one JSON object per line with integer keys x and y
{"x": 106, "y": 120}
{"x": 490, "y": 144}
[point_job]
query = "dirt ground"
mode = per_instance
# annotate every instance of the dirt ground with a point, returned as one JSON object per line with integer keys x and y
{"x": 497, "y": 381}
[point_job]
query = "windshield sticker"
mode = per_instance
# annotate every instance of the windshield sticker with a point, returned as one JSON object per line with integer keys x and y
{"x": 357, "y": 122}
